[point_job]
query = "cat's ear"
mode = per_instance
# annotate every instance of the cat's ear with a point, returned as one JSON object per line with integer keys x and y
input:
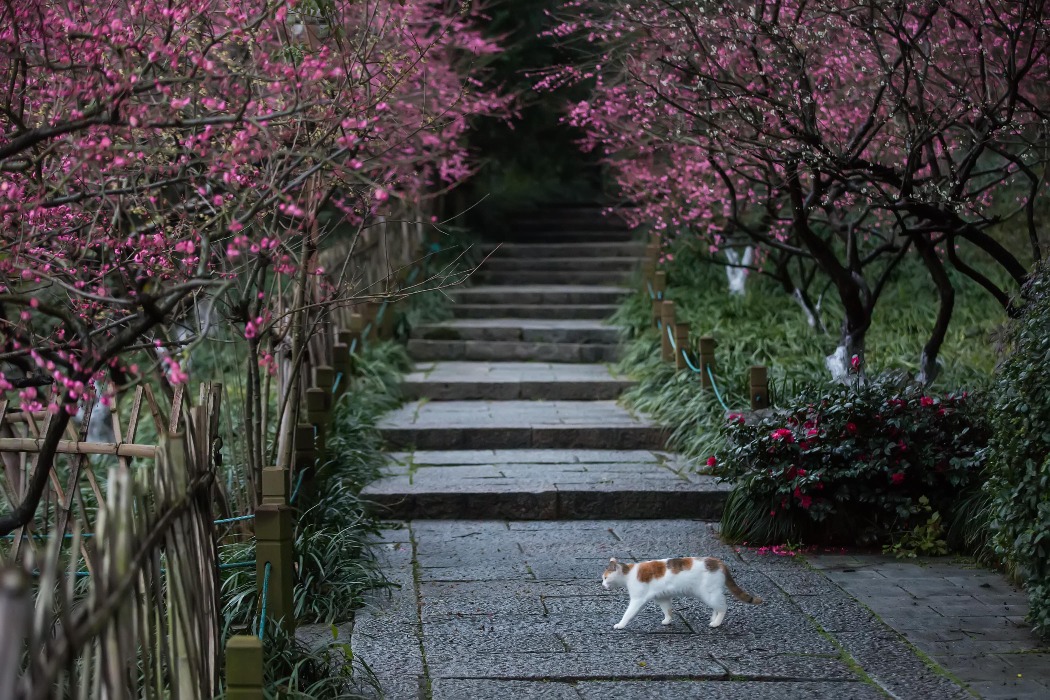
{"x": 612, "y": 560}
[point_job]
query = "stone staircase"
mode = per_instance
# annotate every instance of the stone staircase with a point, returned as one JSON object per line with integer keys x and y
{"x": 512, "y": 410}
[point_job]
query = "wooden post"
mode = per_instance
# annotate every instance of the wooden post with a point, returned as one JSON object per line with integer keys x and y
{"x": 659, "y": 287}
{"x": 341, "y": 362}
{"x": 318, "y": 412}
{"x": 273, "y": 544}
{"x": 324, "y": 377}
{"x": 368, "y": 312}
{"x": 357, "y": 327}
{"x": 304, "y": 447}
{"x": 759, "y": 388}
{"x": 707, "y": 359}
{"x": 681, "y": 339}
{"x": 668, "y": 323}
{"x": 244, "y": 667}
{"x": 274, "y": 486}
{"x": 385, "y": 319}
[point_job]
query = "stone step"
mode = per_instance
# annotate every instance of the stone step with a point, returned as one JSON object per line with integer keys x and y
{"x": 580, "y": 332}
{"x": 633, "y": 249}
{"x": 548, "y": 234}
{"x": 502, "y": 265}
{"x": 552, "y": 311}
{"x": 583, "y": 277}
{"x": 514, "y": 295}
{"x": 504, "y": 381}
{"x": 543, "y": 485}
{"x": 486, "y": 350}
{"x": 478, "y": 425}
{"x": 587, "y": 220}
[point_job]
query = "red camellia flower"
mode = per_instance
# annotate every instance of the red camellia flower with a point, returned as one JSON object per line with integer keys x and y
{"x": 926, "y": 401}
{"x": 851, "y": 428}
{"x": 711, "y": 461}
{"x": 897, "y": 478}
{"x": 854, "y": 362}
{"x": 782, "y": 434}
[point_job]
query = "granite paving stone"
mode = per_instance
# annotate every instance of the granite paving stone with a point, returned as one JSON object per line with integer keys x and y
{"x": 967, "y": 619}
{"x": 541, "y": 294}
{"x": 471, "y": 689}
{"x": 723, "y": 690}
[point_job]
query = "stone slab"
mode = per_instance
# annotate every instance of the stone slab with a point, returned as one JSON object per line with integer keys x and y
{"x": 571, "y": 331}
{"x": 500, "y": 263}
{"x": 564, "y": 311}
{"x": 501, "y": 484}
{"x": 968, "y": 619}
{"x": 546, "y": 294}
{"x": 487, "y": 351}
{"x": 725, "y": 690}
{"x": 499, "y": 251}
{"x": 461, "y": 425}
{"x": 507, "y": 381}
{"x": 520, "y": 277}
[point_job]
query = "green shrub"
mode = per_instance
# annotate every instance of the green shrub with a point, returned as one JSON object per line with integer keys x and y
{"x": 1019, "y": 466}
{"x": 862, "y": 464}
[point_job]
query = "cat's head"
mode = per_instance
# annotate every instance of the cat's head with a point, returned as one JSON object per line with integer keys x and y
{"x": 615, "y": 574}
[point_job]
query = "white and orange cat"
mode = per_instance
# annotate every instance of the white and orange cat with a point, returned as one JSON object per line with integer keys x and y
{"x": 661, "y": 580}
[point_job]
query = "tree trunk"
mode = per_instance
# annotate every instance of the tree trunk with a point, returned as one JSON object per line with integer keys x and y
{"x": 928, "y": 364}
{"x": 851, "y": 344}
{"x": 737, "y": 276}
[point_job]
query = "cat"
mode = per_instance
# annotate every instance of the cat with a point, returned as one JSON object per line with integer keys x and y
{"x": 661, "y": 579}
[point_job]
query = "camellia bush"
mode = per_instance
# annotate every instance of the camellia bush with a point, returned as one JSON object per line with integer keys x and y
{"x": 1020, "y": 451}
{"x": 855, "y": 464}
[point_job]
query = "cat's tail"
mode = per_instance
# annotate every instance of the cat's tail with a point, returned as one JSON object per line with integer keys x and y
{"x": 738, "y": 592}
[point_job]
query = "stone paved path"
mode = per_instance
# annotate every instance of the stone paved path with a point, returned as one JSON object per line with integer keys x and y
{"x": 969, "y": 620}
{"x": 515, "y": 475}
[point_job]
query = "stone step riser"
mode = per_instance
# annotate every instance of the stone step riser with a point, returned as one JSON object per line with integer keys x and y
{"x": 563, "y": 312}
{"x": 514, "y": 391}
{"x": 565, "y": 250}
{"x": 521, "y": 297}
{"x": 552, "y": 236}
{"x": 483, "y": 350}
{"x": 523, "y": 438}
{"x": 572, "y": 336}
{"x": 500, "y": 264}
{"x": 551, "y": 505}
{"x": 488, "y": 276}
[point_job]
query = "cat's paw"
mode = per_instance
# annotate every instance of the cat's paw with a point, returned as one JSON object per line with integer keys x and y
{"x": 619, "y": 626}
{"x": 666, "y": 621}
{"x": 715, "y": 624}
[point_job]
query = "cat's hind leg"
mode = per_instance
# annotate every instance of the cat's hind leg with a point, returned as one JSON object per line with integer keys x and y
{"x": 665, "y": 605}
{"x": 632, "y": 609}
{"x": 719, "y": 607}
{"x": 716, "y": 600}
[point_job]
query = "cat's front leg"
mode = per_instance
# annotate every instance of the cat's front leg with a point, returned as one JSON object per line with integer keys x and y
{"x": 632, "y": 609}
